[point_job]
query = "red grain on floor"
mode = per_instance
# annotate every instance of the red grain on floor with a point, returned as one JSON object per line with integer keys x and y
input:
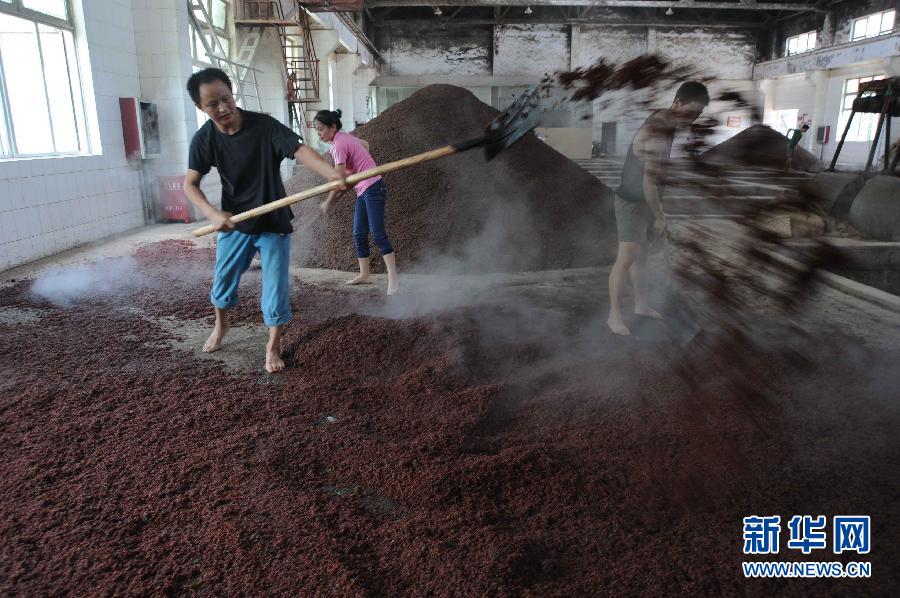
{"x": 424, "y": 457}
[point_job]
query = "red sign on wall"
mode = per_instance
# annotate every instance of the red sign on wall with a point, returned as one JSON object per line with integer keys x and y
{"x": 173, "y": 203}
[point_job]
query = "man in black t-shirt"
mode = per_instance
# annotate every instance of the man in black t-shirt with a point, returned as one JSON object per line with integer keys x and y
{"x": 247, "y": 149}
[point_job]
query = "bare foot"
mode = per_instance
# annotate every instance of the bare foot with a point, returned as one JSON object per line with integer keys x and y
{"x": 214, "y": 342}
{"x": 647, "y": 312}
{"x": 361, "y": 279}
{"x": 618, "y": 326}
{"x": 393, "y": 288}
{"x": 274, "y": 363}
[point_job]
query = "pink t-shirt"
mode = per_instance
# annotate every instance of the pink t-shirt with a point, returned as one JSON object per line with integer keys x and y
{"x": 347, "y": 150}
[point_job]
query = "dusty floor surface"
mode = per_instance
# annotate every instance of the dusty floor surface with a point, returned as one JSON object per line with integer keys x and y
{"x": 473, "y": 436}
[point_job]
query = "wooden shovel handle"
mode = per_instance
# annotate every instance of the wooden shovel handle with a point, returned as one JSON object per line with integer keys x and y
{"x": 333, "y": 185}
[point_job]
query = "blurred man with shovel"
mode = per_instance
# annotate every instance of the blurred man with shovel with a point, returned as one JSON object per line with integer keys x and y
{"x": 247, "y": 149}
{"x": 638, "y": 202}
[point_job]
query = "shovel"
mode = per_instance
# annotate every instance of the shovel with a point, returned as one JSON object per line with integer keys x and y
{"x": 510, "y": 126}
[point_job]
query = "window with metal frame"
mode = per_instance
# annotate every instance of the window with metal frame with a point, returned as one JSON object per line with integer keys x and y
{"x": 863, "y": 126}
{"x": 218, "y": 13}
{"x": 805, "y": 42}
{"x": 42, "y": 111}
{"x": 872, "y": 25}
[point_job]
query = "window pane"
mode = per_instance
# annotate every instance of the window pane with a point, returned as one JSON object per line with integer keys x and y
{"x": 792, "y": 45}
{"x": 54, "y": 8}
{"x": 27, "y": 98}
{"x": 59, "y": 89}
{"x": 873, "y": 27}
{"x": 811, "y": 42}
{"x": 842, "y": 123}
{"x": 219, "y": 10}
{"x": 77, "y": 98}
{"x": 859, "y": 28}
{"x": 852, "y": 85}
{"x": 867, "y": 127}
{"x": 887, "y": 21}
{"x": 201, "y": 51}
{"x": 225, "y": 45}
{"x": 5, "y": 149}
{"x": 862, "y": 128}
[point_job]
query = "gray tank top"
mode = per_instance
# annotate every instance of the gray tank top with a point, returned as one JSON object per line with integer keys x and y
{"x": 632, "y": 186}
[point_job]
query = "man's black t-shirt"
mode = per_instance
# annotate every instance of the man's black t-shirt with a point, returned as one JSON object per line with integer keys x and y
{"x": 248, "y": 163}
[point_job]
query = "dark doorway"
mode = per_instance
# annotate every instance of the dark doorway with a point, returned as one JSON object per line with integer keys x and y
{"x": 608, "y": 139}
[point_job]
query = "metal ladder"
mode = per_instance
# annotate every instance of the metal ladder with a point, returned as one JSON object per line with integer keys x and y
{"x": 250, "y": 39}
{"x": 242, "y": 74}
{"x": 301, "y": 65}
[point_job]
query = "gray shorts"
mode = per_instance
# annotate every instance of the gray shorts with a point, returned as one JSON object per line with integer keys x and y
{"x": 633, "y": 220}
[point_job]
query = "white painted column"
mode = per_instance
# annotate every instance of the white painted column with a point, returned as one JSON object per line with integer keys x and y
{"x": 343, "y": 88}
{"x": 364, "y": 93}
{"x": 766, "y": 89}
{"x": 819, "y": 81}
{"x": 325, "y": 42}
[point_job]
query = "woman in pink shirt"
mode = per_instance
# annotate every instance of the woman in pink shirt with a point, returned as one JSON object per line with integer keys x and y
{"x": 351, "y": 155}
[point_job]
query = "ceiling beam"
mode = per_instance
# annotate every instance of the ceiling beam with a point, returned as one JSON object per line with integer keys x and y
{"x": 689, "y": 4}
{"x": 574, "y": 21}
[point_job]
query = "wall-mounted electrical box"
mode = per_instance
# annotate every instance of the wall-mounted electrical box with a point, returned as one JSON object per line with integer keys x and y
{"x": 140, "y": 128}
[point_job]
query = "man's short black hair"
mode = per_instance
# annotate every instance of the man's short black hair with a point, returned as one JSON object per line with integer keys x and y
{"x": 692, "y": 91}
{"x": 205, "y": 76}
{"x": 805, "y": 128}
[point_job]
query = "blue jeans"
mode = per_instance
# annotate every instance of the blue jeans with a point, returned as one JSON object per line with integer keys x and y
{"x": 234, "y": 252}
{"x": 369, "y": 215}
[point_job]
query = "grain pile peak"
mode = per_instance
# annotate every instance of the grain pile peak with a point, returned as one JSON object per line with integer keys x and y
{"x": 530, "y": 208}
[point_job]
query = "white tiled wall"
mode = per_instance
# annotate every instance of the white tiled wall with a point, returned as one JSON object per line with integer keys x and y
{"x": 52, "y": 204}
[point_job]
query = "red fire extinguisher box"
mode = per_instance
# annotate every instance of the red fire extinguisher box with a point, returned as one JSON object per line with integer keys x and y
{"x": 173, "y": 203}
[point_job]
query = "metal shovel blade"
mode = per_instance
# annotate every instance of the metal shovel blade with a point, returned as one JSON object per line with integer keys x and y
{"x": 512, "y": 124}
